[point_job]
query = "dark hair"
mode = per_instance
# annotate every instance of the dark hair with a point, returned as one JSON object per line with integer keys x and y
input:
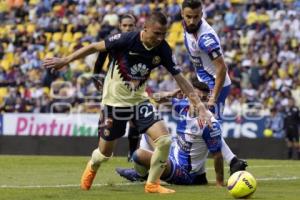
{"x": 127, "y": 16}
{"x": 199, "y": 85}
{"x": 191, "y": 4}
{"x": 157, "y": 17}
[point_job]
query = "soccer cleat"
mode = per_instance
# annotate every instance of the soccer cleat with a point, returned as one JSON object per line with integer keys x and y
{"x": 130, "y": 174}
{"x": 157, "y": 188}
{"x": 87, "y": 177}
{"x": 237, "y": 165}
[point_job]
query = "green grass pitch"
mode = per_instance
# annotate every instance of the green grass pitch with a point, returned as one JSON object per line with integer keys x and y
{"x": 57, "y": 178}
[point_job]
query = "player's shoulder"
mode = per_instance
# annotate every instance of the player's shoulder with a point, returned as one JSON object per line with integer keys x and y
{"x": 206, "y": 28}
{"x": 208, "y": 39}
{"x": 181, "y": 101}
{"x": 164, "y": 46}
{"x": 127, "y": 36}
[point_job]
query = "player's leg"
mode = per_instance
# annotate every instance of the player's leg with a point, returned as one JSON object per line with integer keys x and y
{"x": 113, "y": 129}
{"x": 289, "y": 142}
{"x": 219, "y": 107}
{"x": 296, "y": 144}
{"x": 142, "y": 160}
{"x": 231, "y": 159}
{"x": 99, "y": 156}
{"x": 235, "y": 163}
{"x": 133, "y": 140}
{"x": 147, "y": 120}
{"x": 158, "y": 132}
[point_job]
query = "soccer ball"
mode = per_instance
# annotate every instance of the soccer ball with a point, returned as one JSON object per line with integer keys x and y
{"x": 268, "y": 132}
{"x": 241, "y": 184}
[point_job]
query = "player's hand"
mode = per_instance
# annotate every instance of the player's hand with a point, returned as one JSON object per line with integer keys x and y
{"x": 54, "y": 64}
{"x": 97, "y": 82}
{"x": 176, "y": 93}
{"x": 211, "y": 103}
{"x": 205, "y": 115}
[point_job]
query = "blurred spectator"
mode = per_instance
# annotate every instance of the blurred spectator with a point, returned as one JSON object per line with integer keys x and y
{"x": 275, "y": 122}
{"x": 260, "y": 40}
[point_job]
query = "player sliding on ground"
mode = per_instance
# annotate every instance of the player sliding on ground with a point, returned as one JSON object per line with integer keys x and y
{"x": 134, "y": 55}
{"x": 188, "y": 154}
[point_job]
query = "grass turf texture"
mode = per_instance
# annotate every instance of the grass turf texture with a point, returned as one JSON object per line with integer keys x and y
{"x": 58, "y": 177}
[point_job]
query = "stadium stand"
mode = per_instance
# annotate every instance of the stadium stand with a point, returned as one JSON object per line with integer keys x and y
{"x": 260, "y": 40}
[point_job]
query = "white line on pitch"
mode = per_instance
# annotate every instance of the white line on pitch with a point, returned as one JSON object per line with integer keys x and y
{"x": 68, "y": 185}
{"x": 260, "y": 166}
{"x": 127, "y": 184}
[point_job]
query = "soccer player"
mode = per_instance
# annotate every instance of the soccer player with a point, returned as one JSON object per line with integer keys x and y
{"x": 134, "y": 55}
{"x": 205, "y": 52}
{"x": 127, "y": 23}
{"x": 291, "y": 126}
{"x": 188, "y": 154}
{"x": 204, "y": 49}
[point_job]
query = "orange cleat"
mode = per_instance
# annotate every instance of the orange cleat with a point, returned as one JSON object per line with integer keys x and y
{"x": 87, "y": 177}
{"x": 157, "y": 188}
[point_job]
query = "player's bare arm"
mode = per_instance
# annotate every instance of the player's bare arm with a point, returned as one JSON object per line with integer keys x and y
{"x": 162, "y": 97}
{"x": 219, "y": 168}
{"x": 221, "y": 70}
{"x": 188, "y": 90}
{"x": 59, "y": 63}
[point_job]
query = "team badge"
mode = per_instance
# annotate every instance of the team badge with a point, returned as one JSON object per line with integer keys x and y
{"x": 106, "y": 132}
{"x": 156, "y": 60}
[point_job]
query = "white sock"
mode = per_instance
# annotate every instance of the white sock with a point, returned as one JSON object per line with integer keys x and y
{"x": 226, "y": 152}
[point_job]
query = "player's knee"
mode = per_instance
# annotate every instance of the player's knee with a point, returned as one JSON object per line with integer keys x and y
{"x": 163, "y": 142}
{"x": 98, "y": 157}
{"x": 136, "y": 157}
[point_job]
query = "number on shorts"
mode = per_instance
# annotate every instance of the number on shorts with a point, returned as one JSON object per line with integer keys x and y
{"x": 145, "y": 110}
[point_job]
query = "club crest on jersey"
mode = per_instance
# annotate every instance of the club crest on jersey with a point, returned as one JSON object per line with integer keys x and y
{"x": 156, "y": 60}
{"x": 106, "y": 132}
{"x": 139, "y": 68}
{"x": 194, "y": 129}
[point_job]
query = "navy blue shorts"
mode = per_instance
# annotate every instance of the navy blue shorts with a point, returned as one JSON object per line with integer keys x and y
{"x": 112, "y": 124}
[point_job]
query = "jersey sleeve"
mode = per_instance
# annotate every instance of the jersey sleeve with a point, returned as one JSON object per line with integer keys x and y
{"x": 168, "y": 60}
{"x": 210, "y": 45}
{"x": 100, "y": 62}
{"x": 213, "y": 137}
{"x": 117, "y": 41}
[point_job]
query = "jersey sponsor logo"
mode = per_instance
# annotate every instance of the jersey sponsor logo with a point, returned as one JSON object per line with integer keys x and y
{"x": 183, "y": 144}
{"x": 139, "y": 68}
{"x": 208, "y": 40}
{"x": 197, "y": 62}
{"x": 114, "y": 37}
{"x": 133, "y": 53}
{"x": 156, "y": 60}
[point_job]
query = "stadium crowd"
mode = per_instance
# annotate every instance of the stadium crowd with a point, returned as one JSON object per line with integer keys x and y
{"x": 260, "y": 40}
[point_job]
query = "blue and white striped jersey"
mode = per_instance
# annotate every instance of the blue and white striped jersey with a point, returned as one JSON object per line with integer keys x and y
{"x": 203, "y": 47}
{"x": 193, "y": 141}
